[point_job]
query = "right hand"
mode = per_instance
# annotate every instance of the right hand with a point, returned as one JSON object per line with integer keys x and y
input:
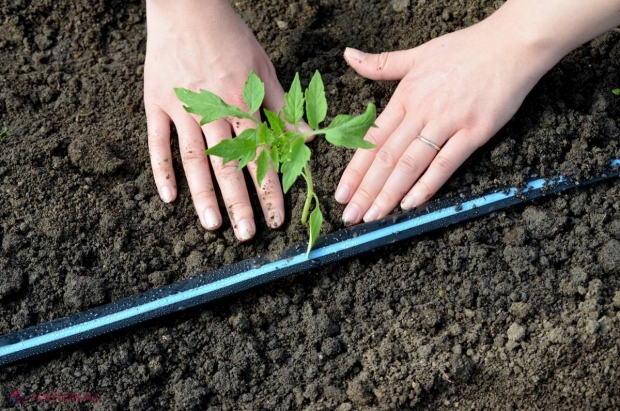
{"x": 204, "y": 45}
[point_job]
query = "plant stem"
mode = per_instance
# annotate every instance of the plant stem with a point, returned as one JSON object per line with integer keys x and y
{"x": 309, "y": 195}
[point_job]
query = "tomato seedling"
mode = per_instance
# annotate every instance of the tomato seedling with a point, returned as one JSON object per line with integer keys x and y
{"x": 278, "y": 140}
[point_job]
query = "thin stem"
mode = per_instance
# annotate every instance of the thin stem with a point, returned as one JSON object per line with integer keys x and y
{"x": 308, "y": 177}
{"x": 312, "y": 133}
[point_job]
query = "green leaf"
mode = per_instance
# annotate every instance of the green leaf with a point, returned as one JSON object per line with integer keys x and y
{"x": 316, "y": 221}
{"x": 263, "y": 134}
{"x": 248, "y": 134}
{"x": 316, "y": 103}
{"x": 616, "y": 91}
{"x": 347, "y": 131}
{"x": 293, "y": 162}
{"x": 208, "y": 106}
{"x": 241, "y": 148}
{"x": 276, "y": 123}
{"x": 275, "y": 159}
{"x": 253, "y": 92}
{"x": 294, "y": 99}
{"x": 263, "y": 166}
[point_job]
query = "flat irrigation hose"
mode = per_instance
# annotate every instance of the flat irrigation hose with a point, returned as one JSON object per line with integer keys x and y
{"x": 253, "y": 272}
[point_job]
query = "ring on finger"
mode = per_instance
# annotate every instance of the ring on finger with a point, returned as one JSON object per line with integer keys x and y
{"x": 429, "y": 142}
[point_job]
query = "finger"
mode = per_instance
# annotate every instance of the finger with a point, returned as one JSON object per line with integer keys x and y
{"x": 382, "y": 166}
{"x": 387, "y": 122}
{"x": 269, "y": 194}
{"x": 274, "y": 101}
{"x": 392, "y": 65}
{"x": 413, "y": 162}
{"x": 231, "y": 181}
{"x": 158, "y": 131}
{"x": 197, "y": 172}
{"x": 446, "y": 162}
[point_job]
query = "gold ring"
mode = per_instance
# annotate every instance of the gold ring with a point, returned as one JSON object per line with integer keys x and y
{"x": 429, "y": 142}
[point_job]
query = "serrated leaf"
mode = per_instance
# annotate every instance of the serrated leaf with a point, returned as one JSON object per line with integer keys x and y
{"x": 316, "y": 103}
{"x": 248, "y": 134}
{"x": 208, "y": 106}
{"x": 275, "y": 122}
{"x": 253, "y": 92}
{"x": 275, "y": 159}
{"x": 347, "y": 131}
{"x": 293, "y": 162}
{"x": 294, "y": 99}
{"x": 263, "y": 134}
{"x": 316, "y": 222}
{"x": 263, "y": 166}
{"x": 239, "y": 148}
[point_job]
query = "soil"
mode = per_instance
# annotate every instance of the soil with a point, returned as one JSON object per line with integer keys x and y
{"x": 516, "y": 310}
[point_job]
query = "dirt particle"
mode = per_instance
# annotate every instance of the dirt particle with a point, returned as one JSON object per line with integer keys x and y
{"x": 83, "y": 292}
{"x": 609, "y": 257}
{"x": 516, "y": 332}
{"x": 520, "y": 310}
{"x": 400, "y": 5}
{"x": 93, "y": 156}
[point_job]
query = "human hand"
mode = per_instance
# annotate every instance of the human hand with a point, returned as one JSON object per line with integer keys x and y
{"x": 197, "y": 44}
{"x": 456, "y": 91}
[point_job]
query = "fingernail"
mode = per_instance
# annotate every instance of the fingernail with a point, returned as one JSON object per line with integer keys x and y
{"x": 275, "y": 219}
{"x": 372, "y": 214}
{"x": 351, "y": 214}
{"x": 245, "y": 230}
{"x": 342, "y": 194}
{"x": 211, "y": 218}
{"x": 354, "y": 54}
{"x": 166, "y": 194}
{"x": 408, "y": 202}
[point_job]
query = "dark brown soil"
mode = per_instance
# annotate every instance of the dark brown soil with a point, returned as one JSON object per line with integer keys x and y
{"x": 516, "y": 310}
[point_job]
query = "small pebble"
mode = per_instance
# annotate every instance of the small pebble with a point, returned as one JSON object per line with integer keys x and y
{"x": 400, "y": 5}
{"x": 592, "y": 327}
{"x": 516, "y": 332}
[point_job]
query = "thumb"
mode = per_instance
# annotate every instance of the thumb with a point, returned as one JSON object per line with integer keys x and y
{"x": 393, "y": 65}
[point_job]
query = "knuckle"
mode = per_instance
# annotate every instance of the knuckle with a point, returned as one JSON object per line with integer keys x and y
{"x": 193, "y": 157}
{"x": 235, "y": 98}
{"x": 354, "y": 174}
{"x": 370, "y": 136}
{"x": 382, "y": 60}
{"x": 238, "y": 207}
{"x": 226, "y": 169}
{"x": 425, "y": 189}
{"x": 444, "y": 164}
{"x": 384, "y": 201}
{"x": 409, "y": 163}
{"x": 385, "y": 159}
{"x": 205, "y": 196}
{"x": 364, "y": 194}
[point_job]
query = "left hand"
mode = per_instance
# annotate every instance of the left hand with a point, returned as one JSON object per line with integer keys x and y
{"x": 457, "y": 91}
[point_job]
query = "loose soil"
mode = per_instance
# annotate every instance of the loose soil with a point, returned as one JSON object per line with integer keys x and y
{"x": 516, "y": 310}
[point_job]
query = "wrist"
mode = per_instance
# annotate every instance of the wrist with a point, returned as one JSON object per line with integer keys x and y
{"x": 183, "y": 14}
{"x": 545, "y": 31}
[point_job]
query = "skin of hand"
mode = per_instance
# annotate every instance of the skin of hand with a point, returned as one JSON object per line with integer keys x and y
{"x": 198, "y": 44}
{"x": 457, "y": 91}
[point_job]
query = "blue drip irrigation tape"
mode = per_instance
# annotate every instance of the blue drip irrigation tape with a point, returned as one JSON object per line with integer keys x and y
{"x": 250, "y": 273}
